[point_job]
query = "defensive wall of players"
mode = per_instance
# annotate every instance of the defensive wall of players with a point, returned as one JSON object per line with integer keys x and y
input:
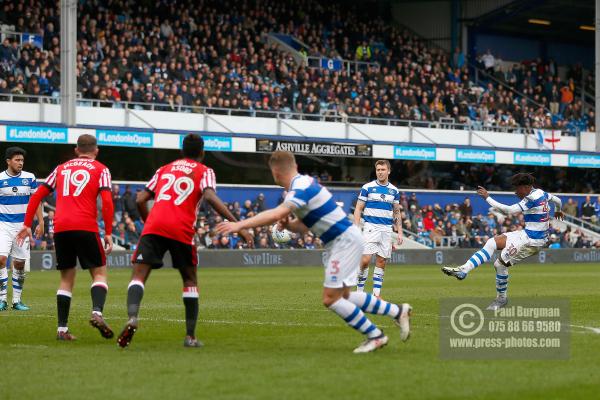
{"x": 45, "y": 260}
{"x": 38, "y": 122}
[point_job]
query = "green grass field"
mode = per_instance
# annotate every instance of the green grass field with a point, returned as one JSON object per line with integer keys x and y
{"x": 267, "y": 336}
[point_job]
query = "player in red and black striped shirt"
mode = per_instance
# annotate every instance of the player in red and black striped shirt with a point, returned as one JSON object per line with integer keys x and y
{"x": 177, "y": 189}
{"x": 77, "y": 184}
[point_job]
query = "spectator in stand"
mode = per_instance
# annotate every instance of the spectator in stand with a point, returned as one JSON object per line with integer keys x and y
{"x": 489, "y": 61}
{"x": 259, "y": 204}
{"x": 570, "y": 208}
{"x": 118, "y": 203}
{"x": 566, "y": 98}
{"x": 588, "y": 209}
{"x": 466, "y": 209}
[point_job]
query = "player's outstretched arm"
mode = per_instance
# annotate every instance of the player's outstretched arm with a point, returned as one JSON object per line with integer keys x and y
{"x": 267, "y": 217}
{"x": 558, "y": 214}
{"x": 215, "y": 201}
{"x": 512, "y": 209}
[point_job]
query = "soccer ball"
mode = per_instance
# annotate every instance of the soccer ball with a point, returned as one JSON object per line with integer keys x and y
{"x": 278, "y": 236}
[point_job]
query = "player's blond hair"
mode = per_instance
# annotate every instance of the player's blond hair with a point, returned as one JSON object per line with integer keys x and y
{"x": 284, "y": 160}
{"x": 383, "y": 162}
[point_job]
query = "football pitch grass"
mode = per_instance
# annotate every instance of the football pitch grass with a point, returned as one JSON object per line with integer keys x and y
{"x": 267, "y": 336}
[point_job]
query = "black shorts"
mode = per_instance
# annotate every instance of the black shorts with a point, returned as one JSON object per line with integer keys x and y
{"x": 83, "y": 245}
{"x": 151, "y": 250}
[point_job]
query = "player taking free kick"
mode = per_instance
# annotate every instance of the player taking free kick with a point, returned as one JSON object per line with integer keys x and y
{"x": 77, "y": 184}
{"x": 518, "y": 245}
{"x": 317, "y": 211}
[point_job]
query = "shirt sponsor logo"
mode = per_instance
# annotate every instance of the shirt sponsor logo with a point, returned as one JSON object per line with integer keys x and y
{"x": 468, "y": 155}
{"x": 125, "y": 138}
{"x": 415, "y": 153}
{"x": 532, "y": 158}
{"x": 36, "y": 134}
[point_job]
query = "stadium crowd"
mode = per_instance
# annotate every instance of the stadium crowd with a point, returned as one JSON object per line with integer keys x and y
{"x": 429, "y": 224}
{"x": 214, "y": 54}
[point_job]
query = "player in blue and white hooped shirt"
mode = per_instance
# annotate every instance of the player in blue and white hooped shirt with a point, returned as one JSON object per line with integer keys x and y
{"x": 16, "y": 187}
{"x": 316, "y": 211}
{"x": 379, "y": 204}
{"x": 518, "y": 245}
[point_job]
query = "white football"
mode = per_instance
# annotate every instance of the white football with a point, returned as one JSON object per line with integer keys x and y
{"x": 278, "y": 236}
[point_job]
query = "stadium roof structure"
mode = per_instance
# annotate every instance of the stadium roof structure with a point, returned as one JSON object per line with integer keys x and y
{"x": 560, "y": 20}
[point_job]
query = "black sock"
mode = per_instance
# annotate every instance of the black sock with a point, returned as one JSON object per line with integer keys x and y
{"x": 191, "y": 315}
{"x": 63, "y": 304}
{"x": 99, "y": 291}
{"x": 134, "y": 298}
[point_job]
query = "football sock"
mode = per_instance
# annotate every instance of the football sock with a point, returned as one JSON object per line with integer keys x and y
{"x": 377, "y": 280}
{"x": 3, "y": 283}
{"x": 363, "y": 274}
{"x": 190, "y": 301}
{"x": 501, "y": 279}
{"x": 371, "y": 304}
{"x": 135, "y": 292}
{"x": 481, "y": 256}
{"x": 355, "y": 318}
{"x": 63, "y": 304}
{"x": 98, "y": 291}
{"x": 18, "y": 280}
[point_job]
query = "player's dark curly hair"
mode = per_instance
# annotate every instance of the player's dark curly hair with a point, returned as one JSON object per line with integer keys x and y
{"x": 193, "y": 146}
{"x": 14, "y": 151}
{"x": 522, "y": 179}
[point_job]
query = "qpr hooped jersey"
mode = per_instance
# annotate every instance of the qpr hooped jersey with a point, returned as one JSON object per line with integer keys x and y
{"x": 316, "y": 208}
{"x": 15, "y": 192}
{"x": 536, "y": 212}
{"x": 77, "y": 184}
{"x": 177, "y": 188}
{"x": 379, "y": 205}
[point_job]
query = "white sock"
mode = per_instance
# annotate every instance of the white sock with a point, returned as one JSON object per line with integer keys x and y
{"x": 18, "y": 280}
{"x": 480, "y": 257}
{"x": 363, "y": 275}
{"x": 3, "y": 283}
{"x": 355, "y": 318}
{"x": 377, "y": 280}
{"x": 371, "y": 304}
{"x": 501, "y": 279}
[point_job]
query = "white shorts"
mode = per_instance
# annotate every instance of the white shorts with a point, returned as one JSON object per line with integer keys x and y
{"x": 342, "y": 259}
{"x": 378, "y": 242}
{"x": 8, "y": 244}
{"x": 518, "y": 247}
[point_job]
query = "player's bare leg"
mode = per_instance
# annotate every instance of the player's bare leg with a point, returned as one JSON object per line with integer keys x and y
{"x": 378, "y": 273}
{"x": 99, "y": 291}
{"x": 135, "y": 293}
{"x": 336, "y": 299}
{"x": 190, "y": 296}
{"x": 63, "y": 303}
{"x": 363, "y": 272}
{"x": 18, "y": 280}
{"x": 3, "y": 284}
